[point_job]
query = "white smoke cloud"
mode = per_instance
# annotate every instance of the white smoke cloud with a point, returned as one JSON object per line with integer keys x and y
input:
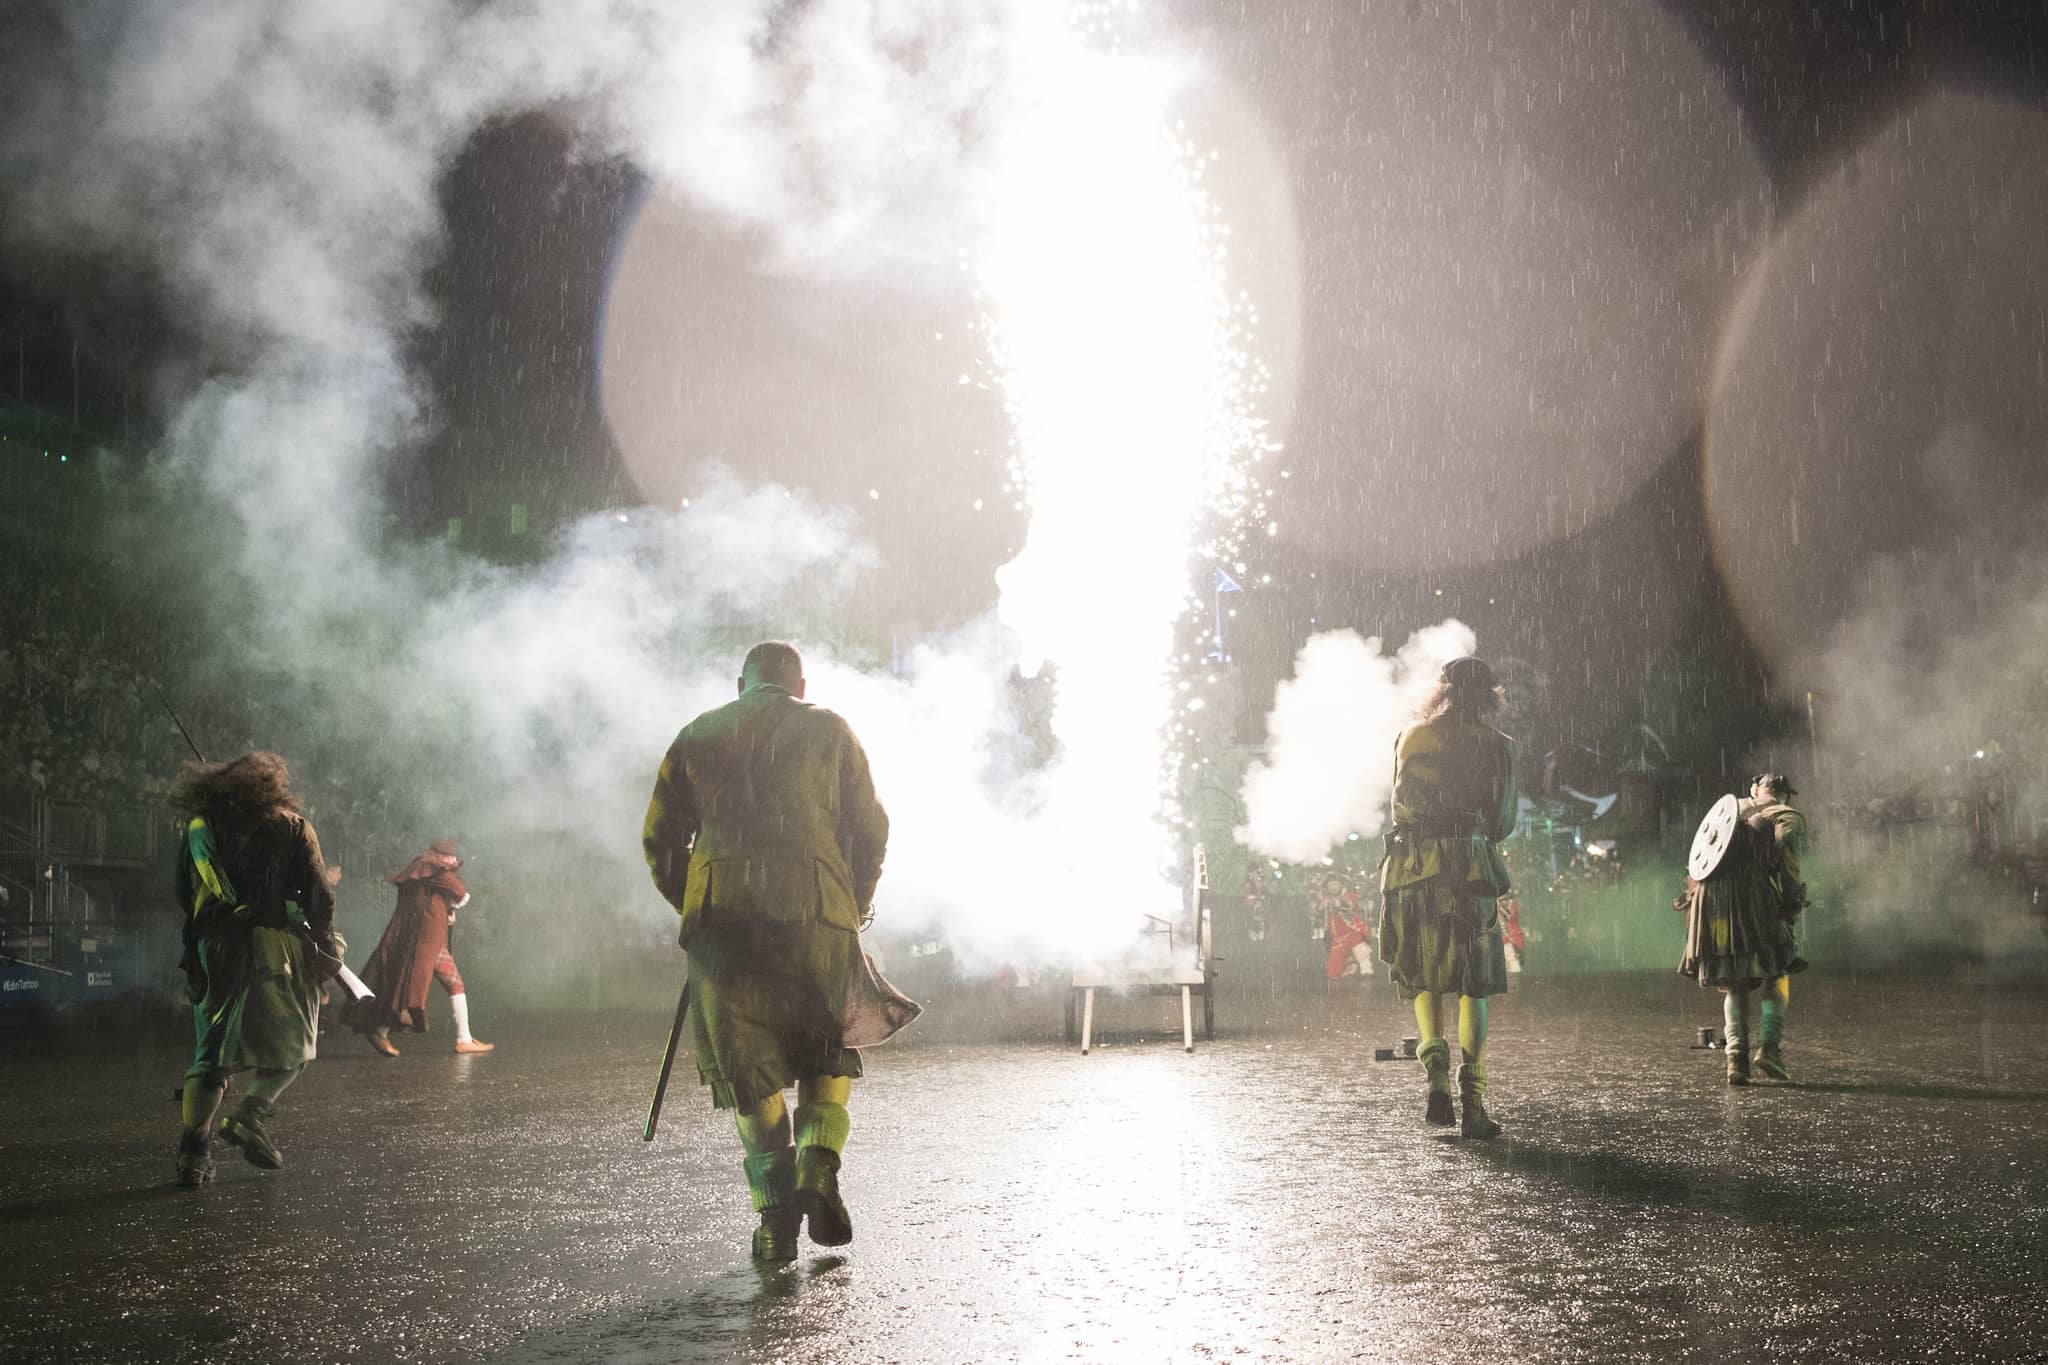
{"x": 272, "y": 169}
{"x": 1329, "y": 762}
{"x": 1933, "y": 740}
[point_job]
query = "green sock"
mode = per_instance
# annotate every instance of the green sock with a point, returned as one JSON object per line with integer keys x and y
{"x": 823, "y": 1125}
{"x": 200, "y": 1102}
{"x": 1771, "y": 1023}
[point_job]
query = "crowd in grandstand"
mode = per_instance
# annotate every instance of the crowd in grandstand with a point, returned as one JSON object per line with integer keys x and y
{"x": 79, "y": 718}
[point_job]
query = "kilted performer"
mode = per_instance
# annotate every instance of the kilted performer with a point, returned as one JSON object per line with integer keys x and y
{"x": 1741, "y": 935}
{"x": 1454, "y": 800}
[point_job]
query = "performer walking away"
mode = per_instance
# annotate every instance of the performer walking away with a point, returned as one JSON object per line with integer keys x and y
{"x": 1454, "y": 800}
{"x": 1768, "y": 810}
{"x": 764, "y": 833}
{"x": 414, "y": 952}
{"x": 259, "y": 939}
{"x": 1739, "y": 925}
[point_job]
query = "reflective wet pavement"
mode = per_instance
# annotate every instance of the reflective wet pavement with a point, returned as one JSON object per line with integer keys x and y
{"x": 1273, "y": 1196}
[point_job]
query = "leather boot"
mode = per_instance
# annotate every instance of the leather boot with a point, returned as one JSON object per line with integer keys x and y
{"x": 195, "y": 1157}
{"x": 1472, "y": 1119}
{"x": 1435, "y": 1056}
{"x": 821, "y": 1131}
{"x": 771, "y": 1179}
{"x": 244, "y": 1129}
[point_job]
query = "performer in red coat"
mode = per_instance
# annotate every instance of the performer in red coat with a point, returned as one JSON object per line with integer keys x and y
{"x": 1350, "y": 938}
{"x": 414, "y": 951}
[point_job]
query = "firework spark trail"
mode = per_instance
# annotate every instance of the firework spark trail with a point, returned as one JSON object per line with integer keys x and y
{"x": 1119, "y": 353}
{"x": 274, "y": 170}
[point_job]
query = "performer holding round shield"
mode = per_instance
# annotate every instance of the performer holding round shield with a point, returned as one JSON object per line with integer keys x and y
{"x": 1742, "y": 894}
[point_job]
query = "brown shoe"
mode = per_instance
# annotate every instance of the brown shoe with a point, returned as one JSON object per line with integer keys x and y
{"x": 380, "y": 1043}
{"x": 472, "y": 1045}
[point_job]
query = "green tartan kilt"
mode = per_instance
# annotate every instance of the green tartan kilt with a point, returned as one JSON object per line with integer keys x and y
{"x": 1437, "y": 936}
{"x": 768, "y": 1010}
{"x": 1736, "y": 933}
{"x": 262, "y": 1006}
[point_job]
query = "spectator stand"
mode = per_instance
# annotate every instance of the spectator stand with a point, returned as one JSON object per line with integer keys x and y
{"x": 76, "y": 883}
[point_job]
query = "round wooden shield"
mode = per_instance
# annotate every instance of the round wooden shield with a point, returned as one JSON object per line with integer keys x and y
{"x": 1711, "y": 843}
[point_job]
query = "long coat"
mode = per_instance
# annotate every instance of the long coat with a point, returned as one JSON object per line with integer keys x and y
{"x": 402, "y": 968}
{"x": 765, "y": 834}
{"x": 247, "y": 886}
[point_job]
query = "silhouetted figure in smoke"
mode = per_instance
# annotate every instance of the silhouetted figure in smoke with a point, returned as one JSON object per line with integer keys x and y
{"x": 259, "y": 940}
{"x": 1742, "y": 927}
{"x": 765, "y": 834}
{"x": 1255, "y": 892}
{"x": 1454, "y": 800}
{"x": 414, "y": 952}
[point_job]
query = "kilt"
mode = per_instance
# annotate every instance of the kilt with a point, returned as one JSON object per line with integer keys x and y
{"x": 1736, "y": 932}
{"x": 1438, "y": 936}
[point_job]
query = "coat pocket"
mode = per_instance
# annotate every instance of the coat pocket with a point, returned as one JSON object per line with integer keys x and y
{"x": 751, "y": 891}
{"x": 836, "y": 905}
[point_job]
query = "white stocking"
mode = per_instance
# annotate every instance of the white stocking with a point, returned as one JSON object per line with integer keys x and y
{"x": 460, "y": 1004}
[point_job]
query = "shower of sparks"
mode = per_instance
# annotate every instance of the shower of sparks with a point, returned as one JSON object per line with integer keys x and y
{"x": 1122, "y": 355}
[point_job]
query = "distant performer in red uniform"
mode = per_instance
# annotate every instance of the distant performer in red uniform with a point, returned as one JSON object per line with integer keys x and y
{"x": 414, "y": 951}
{"x": 1512, "y": 938}
{"x": 1344, "y": 922}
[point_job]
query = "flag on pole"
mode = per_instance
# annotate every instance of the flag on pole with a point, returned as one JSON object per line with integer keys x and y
{"x": 1225, "y": 583}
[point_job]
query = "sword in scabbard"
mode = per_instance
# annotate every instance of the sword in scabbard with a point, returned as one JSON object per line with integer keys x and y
{"x": 668, "y": 1060}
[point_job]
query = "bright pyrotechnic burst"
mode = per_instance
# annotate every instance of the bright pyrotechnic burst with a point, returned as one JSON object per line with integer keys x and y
{"x": 1122, "y": 355}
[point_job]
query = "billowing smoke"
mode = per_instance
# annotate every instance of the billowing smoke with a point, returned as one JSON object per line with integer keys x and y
{"x": 271, "y": 169}
{"x": 1932, "y": 722}
{"x": 1329, "y": 761}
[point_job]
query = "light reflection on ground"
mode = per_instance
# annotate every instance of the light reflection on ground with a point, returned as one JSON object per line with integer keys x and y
{"x": 1271, "y": 1196}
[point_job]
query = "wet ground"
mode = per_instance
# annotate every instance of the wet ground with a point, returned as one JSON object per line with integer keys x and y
{"x": 1272, "y": 1197}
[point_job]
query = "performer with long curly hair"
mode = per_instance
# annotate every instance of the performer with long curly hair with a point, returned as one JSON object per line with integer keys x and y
{"x": 259, "y": 939}
{"x": 1454, "y": 800}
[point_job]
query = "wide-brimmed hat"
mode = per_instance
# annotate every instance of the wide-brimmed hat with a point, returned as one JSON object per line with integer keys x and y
{"x": 445, "y": 847}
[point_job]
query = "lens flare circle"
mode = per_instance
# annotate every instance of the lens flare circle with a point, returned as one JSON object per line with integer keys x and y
{"x": 1879, "y": 396}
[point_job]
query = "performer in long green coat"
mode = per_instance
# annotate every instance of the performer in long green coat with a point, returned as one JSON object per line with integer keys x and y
{"x": 1454, "y": 800}
{"x": 765, "y": 834}
{"x": 259, "y": 940}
